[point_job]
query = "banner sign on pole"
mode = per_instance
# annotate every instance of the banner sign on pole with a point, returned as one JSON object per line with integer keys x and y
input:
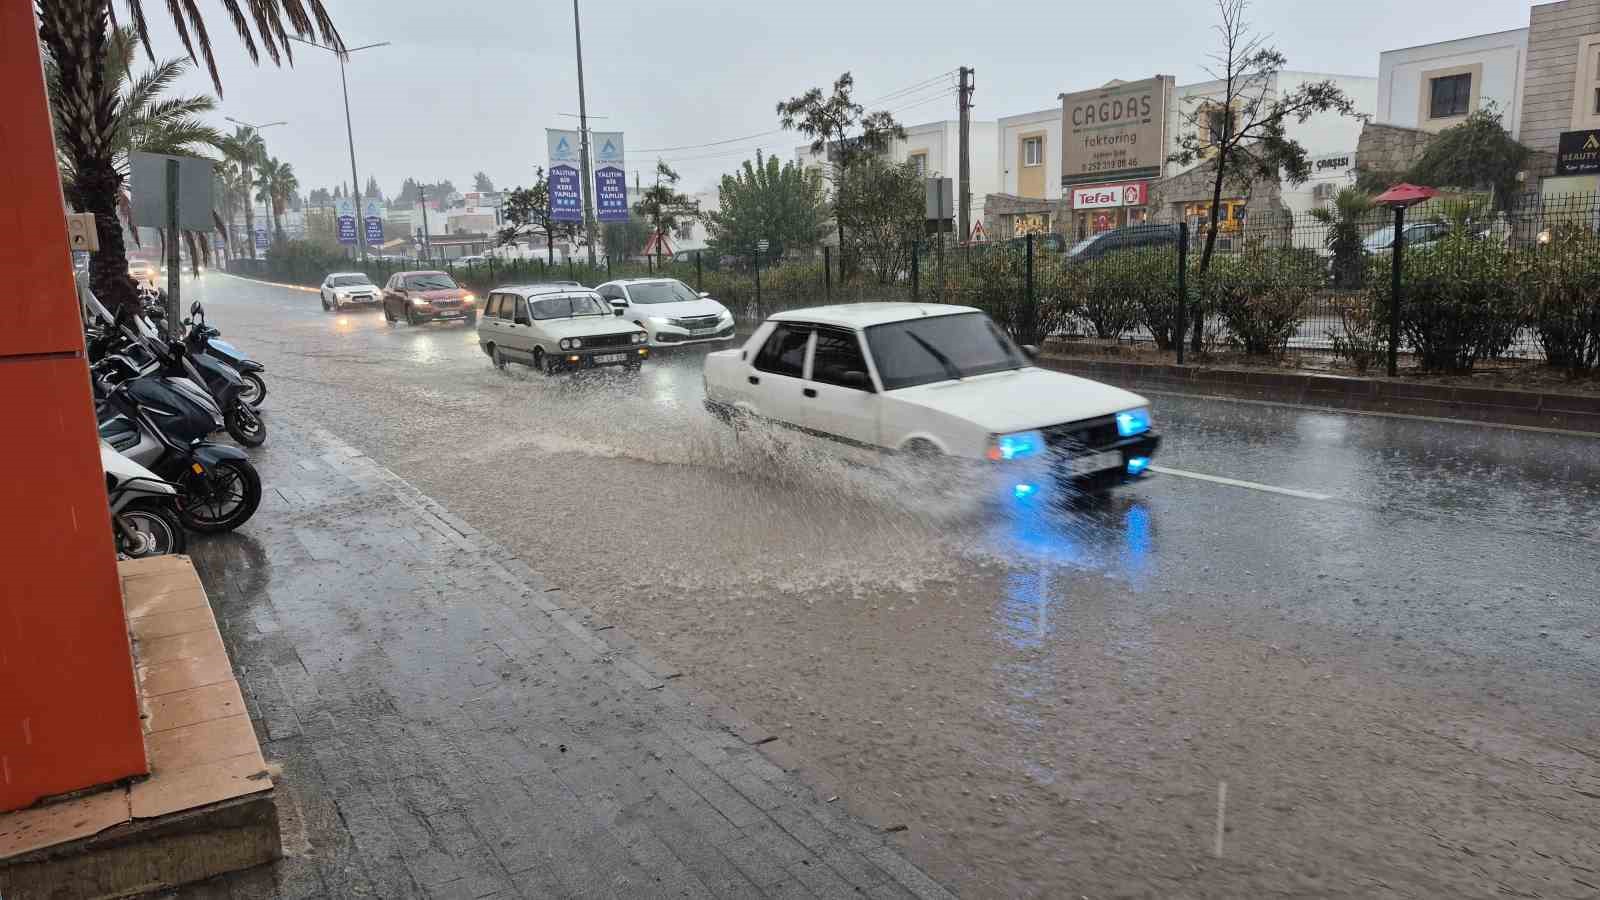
{"x": 610, "y": 177}
{"x": 262, "y": 242}
{"x": 347, "y": 220}
{"x": 566, "y": 187}
{"x": 374, "y": 223}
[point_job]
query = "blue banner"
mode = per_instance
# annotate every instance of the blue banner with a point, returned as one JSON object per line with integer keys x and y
{"x": 610, "y": 177}
{"x": 347, "y": 221}
{"x": 374, "y": 223}
{"x": 261, "y": 237}
{"x": 566, "y": 197}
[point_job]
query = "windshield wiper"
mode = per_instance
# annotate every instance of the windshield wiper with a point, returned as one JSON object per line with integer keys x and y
{"x": 950, "y": 368}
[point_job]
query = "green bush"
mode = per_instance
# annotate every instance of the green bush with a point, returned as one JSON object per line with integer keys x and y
{"x": 1361, "y": 338}
{"x": 1460, "y": 301}
{"x": 1263, "y": 295}
{"x": 996, "y": 281}
{"x": 1107, "y": 293}
{"x": 1565, "y": 279}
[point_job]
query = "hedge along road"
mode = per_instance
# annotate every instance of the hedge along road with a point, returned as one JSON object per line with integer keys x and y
{"x": 1378, "y": 633}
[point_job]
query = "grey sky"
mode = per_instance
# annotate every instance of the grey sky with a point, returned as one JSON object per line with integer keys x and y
{"x": 469, "y": 86}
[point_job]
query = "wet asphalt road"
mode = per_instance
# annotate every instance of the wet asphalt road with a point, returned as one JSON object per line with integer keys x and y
{"x": 1379, "y": 633}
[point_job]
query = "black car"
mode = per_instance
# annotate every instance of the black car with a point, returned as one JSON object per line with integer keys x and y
{"x": 1132, "y": 237}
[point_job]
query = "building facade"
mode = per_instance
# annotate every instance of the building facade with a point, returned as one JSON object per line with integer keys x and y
{"x": 1561, "y": 110}
{"x": 1433, "y": 86}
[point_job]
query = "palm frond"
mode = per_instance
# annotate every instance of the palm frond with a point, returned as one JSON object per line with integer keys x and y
{"x": 266, "y": 24}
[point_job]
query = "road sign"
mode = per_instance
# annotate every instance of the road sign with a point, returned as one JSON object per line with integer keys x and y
{"x": 763, "y": 244}
{"x": 148, "y": 183}
{"x": 81, "y": 232}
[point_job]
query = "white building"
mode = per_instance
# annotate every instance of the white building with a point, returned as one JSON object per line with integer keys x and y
{"x": 1433, "y": 86}
{"x": 935, "y": 147}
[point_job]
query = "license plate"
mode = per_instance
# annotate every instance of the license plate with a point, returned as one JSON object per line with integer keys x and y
{"x": 1089, "y": 463}
{"x": 604, "y": 358}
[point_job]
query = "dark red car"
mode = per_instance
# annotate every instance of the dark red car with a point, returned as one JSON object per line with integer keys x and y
{"x": 422, "y": 297}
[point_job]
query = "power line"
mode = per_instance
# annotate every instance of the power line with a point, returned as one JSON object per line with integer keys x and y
{"x": 910, "y": 89}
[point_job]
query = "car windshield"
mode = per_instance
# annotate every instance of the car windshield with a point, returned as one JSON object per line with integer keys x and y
{"x": 351, "y": 280}
{"x": 1083, "y": 245}
{"x": 431, "y": 281}
{"x": 570, "y": 305}
{"x": 940, "y": 348}
{"x": 661, "y": 292}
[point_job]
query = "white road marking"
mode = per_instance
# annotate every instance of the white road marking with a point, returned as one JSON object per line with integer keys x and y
{"x": 1234, "y": 482}
{"x": 1222, "y": 812}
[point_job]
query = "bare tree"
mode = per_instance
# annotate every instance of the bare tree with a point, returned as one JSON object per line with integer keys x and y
{"x": 841, "y": 129}
{"x": 1243, "y": 132}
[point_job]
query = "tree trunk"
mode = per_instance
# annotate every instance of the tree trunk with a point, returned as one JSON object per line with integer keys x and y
{"x": 1198, "y": 318}
{"x": 249, "y": 213}
{"x": 96, "y": 192}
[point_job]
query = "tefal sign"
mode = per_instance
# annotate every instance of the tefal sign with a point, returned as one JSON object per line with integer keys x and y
{"x": 1100, "y": 196}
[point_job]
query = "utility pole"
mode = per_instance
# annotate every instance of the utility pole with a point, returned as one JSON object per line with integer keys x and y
{"x": 583, "y": 139}
{"x": 350, "y": 135}
{"x": 964, "y": 189}
{"x": 422, "y": 198}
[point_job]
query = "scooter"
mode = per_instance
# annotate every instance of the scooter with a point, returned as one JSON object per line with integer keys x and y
{"x": 162, "y": 423}
{"x": 144, "y": 508}
{"x": 203, "y": 338}
{"x": 221, "y": 380}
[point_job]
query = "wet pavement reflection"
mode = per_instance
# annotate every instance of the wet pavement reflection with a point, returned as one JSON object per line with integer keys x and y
{"x": 1047, "y": 694}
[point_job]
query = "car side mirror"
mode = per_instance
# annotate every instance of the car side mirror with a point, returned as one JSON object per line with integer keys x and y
{"x": 705, "y": 294}
{"x": 618, "y": 303}
{"x": 857, "y": 380}
{"x": 1032, "y": 350}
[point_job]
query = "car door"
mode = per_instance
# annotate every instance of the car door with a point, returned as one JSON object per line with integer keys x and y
{"x": 838, "y": 397}
{"x": 520, "y": 330}
{"x": 776, "y": 377}
{"x": 490, "y": 330}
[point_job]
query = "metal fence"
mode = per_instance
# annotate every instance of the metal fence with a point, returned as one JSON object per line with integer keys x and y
{"x": 1477, "y": 285}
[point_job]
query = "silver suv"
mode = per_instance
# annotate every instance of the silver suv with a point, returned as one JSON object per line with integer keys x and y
{"x": 558, "y": 328}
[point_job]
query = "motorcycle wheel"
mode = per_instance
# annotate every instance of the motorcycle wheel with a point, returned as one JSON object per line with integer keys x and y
{"x": 245, "y": 426}
{"x": 222, "y": 499}
{"x": 159, "y": 532}
{"x": 254, "y": 389}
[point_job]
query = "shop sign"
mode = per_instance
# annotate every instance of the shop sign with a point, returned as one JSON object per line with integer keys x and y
{"x": 1115, "y": 131}
{"x": 1578, "y": 152}
{"x": 1333, "y": 164}
{"x": 1102, "y": 196}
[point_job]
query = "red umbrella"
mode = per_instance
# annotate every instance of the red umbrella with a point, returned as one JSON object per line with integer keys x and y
{"x": 1405, "y": 195}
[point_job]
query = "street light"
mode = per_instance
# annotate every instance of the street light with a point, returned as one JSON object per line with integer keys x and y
{"x": 355, "y": 180}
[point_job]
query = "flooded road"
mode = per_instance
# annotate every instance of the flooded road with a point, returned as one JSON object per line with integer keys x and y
{"x": 1379, "y": 634}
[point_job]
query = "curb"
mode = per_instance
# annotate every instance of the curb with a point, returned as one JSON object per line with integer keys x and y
{"x": 1573, "y": 414}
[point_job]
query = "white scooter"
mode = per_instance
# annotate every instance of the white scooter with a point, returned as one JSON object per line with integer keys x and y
{"x": 144, "y": 515}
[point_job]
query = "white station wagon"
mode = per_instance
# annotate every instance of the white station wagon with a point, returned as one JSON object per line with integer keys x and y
{"x": 556, "y": 328}
{"x": 930, "y": 380}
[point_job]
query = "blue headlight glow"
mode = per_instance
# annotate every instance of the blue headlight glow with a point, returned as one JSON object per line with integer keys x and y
{"x": 1024, "y": 490}
{"x": 1020, "y": 445}
{"x": 1137, "y": 464}
{"x": 1132, "y": 422}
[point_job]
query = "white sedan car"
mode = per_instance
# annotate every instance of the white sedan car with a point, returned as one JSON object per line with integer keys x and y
{"x": 929, "y": 380}
{"x": 670, "y": 311}
{"x": 342, "y": 289}
{"x": 557, "y": 327}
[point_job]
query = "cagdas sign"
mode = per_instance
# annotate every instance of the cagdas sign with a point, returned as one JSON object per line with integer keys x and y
{"x": 1101, "y": 196}
{"x": 1116, "y": 131}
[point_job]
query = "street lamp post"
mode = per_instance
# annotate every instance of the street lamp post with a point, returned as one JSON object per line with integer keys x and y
{"x": 349, "y": 132}
{"x": 583, "y": 142}
{"x": 250, "y": 239}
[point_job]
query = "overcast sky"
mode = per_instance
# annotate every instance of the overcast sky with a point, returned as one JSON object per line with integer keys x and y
{"x": 470, "y": 86}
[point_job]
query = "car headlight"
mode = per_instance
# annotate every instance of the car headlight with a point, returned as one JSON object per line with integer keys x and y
{"x": 418, "y": 301}
{"x": 1132, "y": 422}
{"x": 576, "y": 343}
{"x": 565, "y": 344}
{"x": 469, "y": 299}
{"x": 658, "y": 321}
{"x": 1018, "y": 445}
{"x": 640, "y": 337}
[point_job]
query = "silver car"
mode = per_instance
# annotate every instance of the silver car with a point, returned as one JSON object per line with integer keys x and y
{"x": 558, "y": 328}
{"x": 342, "y": 289}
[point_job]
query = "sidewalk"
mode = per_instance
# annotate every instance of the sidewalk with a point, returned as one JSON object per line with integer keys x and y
{"x": 447, "y": 725}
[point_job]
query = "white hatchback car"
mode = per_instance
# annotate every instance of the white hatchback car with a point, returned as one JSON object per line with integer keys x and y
{"x": 929, "y": 380}
{"x": 557, "y": 328}
{"x": 342, "y": 289}
{"x": 668, "y": 310}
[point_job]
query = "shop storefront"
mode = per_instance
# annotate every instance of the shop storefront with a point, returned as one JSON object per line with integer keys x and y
{"x": 1101, "y": 207}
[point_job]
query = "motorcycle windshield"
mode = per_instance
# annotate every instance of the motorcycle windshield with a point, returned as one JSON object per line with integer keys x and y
{"x": 225, "y": 347}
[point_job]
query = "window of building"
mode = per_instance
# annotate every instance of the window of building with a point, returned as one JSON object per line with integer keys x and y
{"x": 1450, "y": 95}
{"x": 920, "y": 160}
{"x": 686, "y": 231}
{"x": 1033, "y": 151}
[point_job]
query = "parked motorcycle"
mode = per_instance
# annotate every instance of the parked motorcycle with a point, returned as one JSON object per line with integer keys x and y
{"x": 222, "y": 380}
{"x": 162, "y": 422}
{"x": 206, "y": 339}
{"x": 144, "y": 508}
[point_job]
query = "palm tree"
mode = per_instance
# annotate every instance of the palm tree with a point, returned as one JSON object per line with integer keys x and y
{"x": 1346, "y": 219}
{"x": 77, "y": 36}
{"x": 284, "y": 186}
{"x": 246, "y": 148}
{"x": 267, "y": 172}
